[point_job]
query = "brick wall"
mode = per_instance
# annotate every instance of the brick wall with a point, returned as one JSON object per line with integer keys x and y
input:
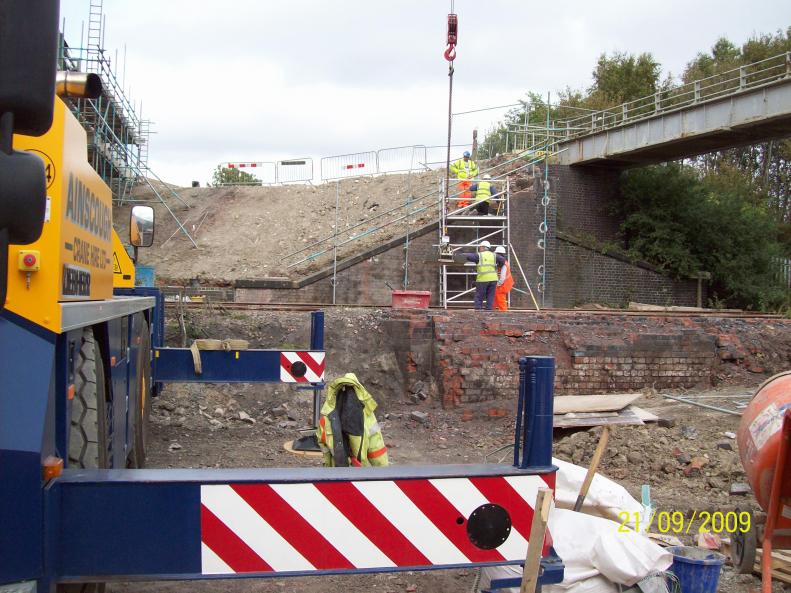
{"x": 361, "y": 281}
{"x": 585, "y": 197}
{"x": 583, "y": 275}
{"x": 475, "y": 354}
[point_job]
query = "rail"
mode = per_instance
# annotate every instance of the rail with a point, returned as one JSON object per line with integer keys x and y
{"x": 751, "y": 76}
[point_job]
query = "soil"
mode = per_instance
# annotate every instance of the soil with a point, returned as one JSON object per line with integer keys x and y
{"x": 249, "y": 232}
{"x": 196, "y": 426}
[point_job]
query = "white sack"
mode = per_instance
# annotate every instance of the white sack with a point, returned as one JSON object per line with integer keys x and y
{"x": 605, "y": 498}
{"x": 595, "y": 554}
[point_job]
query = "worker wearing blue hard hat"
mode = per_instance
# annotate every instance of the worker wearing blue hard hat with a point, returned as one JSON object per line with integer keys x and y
{"x": 463, "y": 169}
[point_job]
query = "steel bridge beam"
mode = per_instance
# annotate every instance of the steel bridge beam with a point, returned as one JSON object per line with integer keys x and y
{"x": 755, "y": 115}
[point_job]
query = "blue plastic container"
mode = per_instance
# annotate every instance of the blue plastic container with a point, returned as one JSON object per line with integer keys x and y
{"x": 698, "y": 570}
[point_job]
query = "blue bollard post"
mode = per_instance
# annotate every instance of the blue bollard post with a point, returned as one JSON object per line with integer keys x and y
{"x": 537, "y": 378}
{"x": 317, "y": 330}
{"x": 316, "y": 343}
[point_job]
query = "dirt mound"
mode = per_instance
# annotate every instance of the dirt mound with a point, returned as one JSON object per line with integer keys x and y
{"x": 249, "y": 232}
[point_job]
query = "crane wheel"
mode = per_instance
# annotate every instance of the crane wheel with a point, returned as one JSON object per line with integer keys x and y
{"x": 142, "y": 400}
{"x": 89, "y": 439}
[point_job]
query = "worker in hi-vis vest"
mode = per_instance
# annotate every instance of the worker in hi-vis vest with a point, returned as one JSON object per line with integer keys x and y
{"x": 483, "y": 191}
{"x": 505, "y": 282}
{"x": 486, "y": 274}
{"x": 348, "y": 432}
{"x": 464, "y": 169}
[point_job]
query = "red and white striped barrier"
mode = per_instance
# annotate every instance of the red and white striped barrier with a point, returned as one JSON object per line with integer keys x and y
{"x": 246, "y": 165}
{"x": 357, "y": 525}
{"x": 302, "y": 367}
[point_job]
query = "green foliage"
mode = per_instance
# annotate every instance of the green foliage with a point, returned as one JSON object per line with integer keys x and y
{"x": 624, "y": 77}
{"x": 686, "y": 222}
{"x": 224, "y": 176}
{"x": 617, "y": 78}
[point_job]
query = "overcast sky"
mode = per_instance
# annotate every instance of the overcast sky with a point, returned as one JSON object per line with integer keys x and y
{"x": 259, "y": 80}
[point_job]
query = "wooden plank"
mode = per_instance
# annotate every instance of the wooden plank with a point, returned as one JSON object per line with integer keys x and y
{"x": 644, "y": 415}
{"x": 626, "y": 416}
{"x": 538, "y": 529}
{"x": 781, "y": 567}
{"x": 609, "y": 402}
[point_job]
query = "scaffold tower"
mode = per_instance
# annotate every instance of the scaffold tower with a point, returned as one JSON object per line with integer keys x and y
{"x": 462, "y": 228}
{"x": 117, "y": 135}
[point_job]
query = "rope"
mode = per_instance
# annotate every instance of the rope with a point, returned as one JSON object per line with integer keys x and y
{"x": 203, "y": 344}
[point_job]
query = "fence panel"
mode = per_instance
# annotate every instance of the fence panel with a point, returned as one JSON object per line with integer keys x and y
{"x": 402, "y": 159}
{"x": 436, "y": 156}
{"x": 783, "y": 272}
{"x": 295, "y": 170}
{"x": 265, "y": 172}
{"x": 348, "y": 165}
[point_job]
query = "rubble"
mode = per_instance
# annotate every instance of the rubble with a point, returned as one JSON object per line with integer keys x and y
{"x": 421, "y": 417}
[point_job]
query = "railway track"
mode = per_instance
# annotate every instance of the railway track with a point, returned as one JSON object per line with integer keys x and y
{"x": 236, "y": 306}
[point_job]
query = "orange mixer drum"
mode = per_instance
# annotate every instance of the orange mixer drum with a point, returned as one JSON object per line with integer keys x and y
{"x": 760, "y": 432}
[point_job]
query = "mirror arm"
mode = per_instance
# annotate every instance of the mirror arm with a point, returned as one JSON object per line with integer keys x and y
{"x": 7, "y": 132}
{"x": 134, "y": 257}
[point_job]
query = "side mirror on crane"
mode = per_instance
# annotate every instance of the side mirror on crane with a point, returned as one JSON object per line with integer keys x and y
{"x": 141, "y": 226}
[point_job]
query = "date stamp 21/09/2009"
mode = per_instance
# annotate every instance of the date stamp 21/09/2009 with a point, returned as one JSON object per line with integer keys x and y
{"x": 678, "y": 523}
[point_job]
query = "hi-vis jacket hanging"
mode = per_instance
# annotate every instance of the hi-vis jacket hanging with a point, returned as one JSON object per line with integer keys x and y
{"x": 348, "y": 411}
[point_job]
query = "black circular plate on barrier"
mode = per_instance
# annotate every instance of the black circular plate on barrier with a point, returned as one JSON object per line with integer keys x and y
{"x": 298, "y": 369}
{"x": 489, "y": 526}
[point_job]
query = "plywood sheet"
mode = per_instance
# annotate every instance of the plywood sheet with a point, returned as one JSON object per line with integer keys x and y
{"x": 608, "y": 402}
{"x": 577, "y": 420}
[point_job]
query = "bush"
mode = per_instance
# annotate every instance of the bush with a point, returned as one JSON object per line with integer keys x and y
{"x": 685, "y": 222}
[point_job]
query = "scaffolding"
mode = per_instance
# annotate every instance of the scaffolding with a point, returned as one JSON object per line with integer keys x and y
{"x": 462, "y": 227}
{"x": 117, "y": 134}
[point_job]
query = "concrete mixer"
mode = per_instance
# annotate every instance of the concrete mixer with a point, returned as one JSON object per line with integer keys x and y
{"x": 763, "y": 437}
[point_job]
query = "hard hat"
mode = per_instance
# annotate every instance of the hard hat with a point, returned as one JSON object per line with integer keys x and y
{"x": 499, "y": 249}
{"x": 486, "y": 244}
{"x": 487, "y": 176}
{"x": 466, "y": 153}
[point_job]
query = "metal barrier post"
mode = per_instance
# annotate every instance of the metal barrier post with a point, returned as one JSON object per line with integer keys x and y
{"x": 534, "y": 413}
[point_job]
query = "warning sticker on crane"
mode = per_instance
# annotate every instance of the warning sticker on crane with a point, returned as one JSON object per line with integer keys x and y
{"x": 302, "y": 367}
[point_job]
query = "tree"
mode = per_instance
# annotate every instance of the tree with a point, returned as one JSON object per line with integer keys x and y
{"x": 624, "y": 77}
{"x": 616, "y": 79}
{"x": 766, "y": 165}
{"x": 685, "y": 222}
{"x": 226, "y": 176}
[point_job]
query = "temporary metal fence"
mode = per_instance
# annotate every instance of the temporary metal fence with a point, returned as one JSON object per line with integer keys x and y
{"x": 295, "y": 171}
{"x": 750, "y": 76}
{"x": 272, "y": 173}
{"x": 402, "y": 159}
{"x": 783, "y": 272}
{"x": 263, "y": 172}
{"x": 348, "y": 165}
{"x": 436, "y": 156}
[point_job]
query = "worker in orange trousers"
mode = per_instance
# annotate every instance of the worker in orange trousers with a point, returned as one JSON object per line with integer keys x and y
{"x": 505, "y": 282}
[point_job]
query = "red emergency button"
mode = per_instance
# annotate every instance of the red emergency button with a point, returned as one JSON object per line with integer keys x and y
{"x": 29, "y": 260}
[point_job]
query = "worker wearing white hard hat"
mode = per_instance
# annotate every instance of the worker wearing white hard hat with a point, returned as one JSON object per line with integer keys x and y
{"x": 486, "y": 274}
{"x": 483, "y": 191}
{"x": 505, "y": 282}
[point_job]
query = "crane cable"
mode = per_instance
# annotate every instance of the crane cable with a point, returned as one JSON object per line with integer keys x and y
{"x": 450, "y": 56}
